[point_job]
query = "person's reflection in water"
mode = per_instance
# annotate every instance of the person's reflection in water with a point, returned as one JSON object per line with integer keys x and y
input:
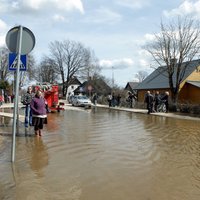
{"x": 5, "y": 121}
{"x": 39, "y": 157}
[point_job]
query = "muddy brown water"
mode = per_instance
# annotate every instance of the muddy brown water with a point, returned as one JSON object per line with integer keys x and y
{"x": 99, "y": 154}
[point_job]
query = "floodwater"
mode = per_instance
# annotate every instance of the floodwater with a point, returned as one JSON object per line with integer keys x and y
{"x": 100, "y": 154}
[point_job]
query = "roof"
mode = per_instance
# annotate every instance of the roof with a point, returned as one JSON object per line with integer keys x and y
{"x": 74, "y": 81}
{"x": 132, "y": 85}
{"x": 195, "y": 83}
{"x": 97, "y": 85}
{"x": 158, "y": 79}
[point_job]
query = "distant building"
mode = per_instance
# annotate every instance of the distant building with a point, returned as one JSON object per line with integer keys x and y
{"x": 130, "y": 86}
{"x": 158, "y": 81}
{"x": 74, "y": 83}
{"x": 93, "y": 86}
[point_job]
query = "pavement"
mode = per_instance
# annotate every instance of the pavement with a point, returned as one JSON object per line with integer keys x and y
{"x": 3, "y": 112}
{"x": 67, "y": 106}
{"x": 144, "y": 111}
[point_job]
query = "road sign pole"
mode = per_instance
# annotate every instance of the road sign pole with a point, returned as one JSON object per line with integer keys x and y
{"x": 16, "y": 94}
{"x": 19, "y": 40}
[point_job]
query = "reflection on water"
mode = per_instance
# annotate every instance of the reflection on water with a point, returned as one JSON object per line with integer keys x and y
{"x": 37, "y": 152}
{"x": 104, "y": 155}
{"x": 5, "y": 121}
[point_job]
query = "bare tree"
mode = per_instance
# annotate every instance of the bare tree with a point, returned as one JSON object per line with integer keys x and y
{"x": 31, "y": 67}
{"x": 177, "y": 43}
{"x": 4, "y": 72}
{"x": 141, "y": 75}
{"x": 47, "y": 70}
{"x": 92, "y": 69}
{"x": 70, "y": 57}
{"x": 30, "y": 73}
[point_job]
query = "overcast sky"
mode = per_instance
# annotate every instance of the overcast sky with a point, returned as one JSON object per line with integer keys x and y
{"x": 115, "y": 29}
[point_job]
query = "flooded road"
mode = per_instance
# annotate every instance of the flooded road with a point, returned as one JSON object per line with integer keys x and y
{"x": 102, "y": 155}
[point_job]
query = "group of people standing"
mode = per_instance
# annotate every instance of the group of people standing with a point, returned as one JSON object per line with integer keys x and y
{"x": 5, "y": 98}
{"x": 36, "y": 106}
{"x": 114, "y": 100}
{"x": 153, "y": 101}
{"x": 35, "y": 110}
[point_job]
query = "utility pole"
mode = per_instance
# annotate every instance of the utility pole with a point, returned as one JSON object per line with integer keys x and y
{"x": 1, "y": 70}
{"x": 112, "y": 77}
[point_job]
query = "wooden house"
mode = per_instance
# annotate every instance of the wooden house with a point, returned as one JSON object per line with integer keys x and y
{"x": 158, "y": 81}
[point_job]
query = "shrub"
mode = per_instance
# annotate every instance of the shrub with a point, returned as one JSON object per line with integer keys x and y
{"x": 189, "y": 108}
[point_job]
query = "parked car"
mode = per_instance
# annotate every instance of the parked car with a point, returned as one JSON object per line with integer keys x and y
{"x": 78, "y": 100}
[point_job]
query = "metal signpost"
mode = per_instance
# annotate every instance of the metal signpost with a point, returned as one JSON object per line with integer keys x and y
{"x": 19, "y": 40}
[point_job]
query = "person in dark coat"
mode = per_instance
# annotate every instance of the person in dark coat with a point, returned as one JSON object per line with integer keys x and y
{"x": 130, "y": 99}
{"x": 157, "y": 100}
{"x": 149, "y": 101}
{"x": 109, "y": 99}
{"x": 94, "y": 99}
{"x": 165, "y": 99}
{"x": 113, "y": 101}
{"x": 118, "y": 100}
{"x": 39, "y": 112}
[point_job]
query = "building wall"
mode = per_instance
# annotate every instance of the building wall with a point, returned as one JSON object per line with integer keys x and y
{"x": 195, "y": 76}
{"x": 70, "y": 90}
{"x": 189, "y": 94}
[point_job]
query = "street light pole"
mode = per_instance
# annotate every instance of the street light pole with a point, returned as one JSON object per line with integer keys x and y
{"x": 112, "y": 77}
{"x": 1, "y": 65}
